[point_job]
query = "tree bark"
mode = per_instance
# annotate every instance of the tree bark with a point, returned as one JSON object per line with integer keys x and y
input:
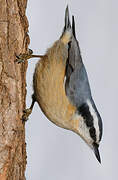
{"x": 13, "y": 40}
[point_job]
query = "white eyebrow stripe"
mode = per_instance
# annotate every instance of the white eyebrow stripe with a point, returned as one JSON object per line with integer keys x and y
{"x": 95, "y": 120}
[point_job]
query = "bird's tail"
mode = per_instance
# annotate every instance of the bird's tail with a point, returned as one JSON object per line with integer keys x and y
{"x": 67, "y": 30}
{"x": 67, "y": 20}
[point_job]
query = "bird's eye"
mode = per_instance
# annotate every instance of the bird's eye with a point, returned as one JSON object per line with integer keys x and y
{"x": 92, "y": 133}
{"x": 96, "y": 145}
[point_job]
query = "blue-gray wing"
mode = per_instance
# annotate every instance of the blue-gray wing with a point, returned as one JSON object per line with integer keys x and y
{"x": 77, "y": 84}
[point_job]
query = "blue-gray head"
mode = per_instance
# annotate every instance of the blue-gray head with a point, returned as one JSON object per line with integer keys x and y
{"x": 79, "y": 93}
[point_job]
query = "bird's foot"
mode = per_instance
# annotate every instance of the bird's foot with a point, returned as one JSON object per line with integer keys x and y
{"x": 26, "y": 114}
{"x": 23, "y": 57}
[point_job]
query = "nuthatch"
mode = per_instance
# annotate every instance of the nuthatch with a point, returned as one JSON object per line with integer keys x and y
{"x": 62, "y": 90}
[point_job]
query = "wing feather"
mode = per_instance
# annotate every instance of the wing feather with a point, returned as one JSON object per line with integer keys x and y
{"x": 77, "y": 84}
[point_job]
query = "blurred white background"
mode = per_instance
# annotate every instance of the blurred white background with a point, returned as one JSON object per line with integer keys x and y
{"x": 55, "y": 153}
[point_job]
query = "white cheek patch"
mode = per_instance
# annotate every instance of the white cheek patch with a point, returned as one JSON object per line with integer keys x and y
{"x": 95, "y": 120}
{"x": 84, "y": 131}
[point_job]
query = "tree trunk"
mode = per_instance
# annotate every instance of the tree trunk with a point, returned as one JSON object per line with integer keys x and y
{"x": 13, "y": 40}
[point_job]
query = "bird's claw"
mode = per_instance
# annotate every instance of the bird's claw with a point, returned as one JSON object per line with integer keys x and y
{"x": 19, "y": 59}
{"x": 23, "y": 57}
{"x": 26, "y": 114}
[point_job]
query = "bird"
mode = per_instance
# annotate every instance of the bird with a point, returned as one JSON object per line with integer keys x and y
{"x": 62, "y": 90}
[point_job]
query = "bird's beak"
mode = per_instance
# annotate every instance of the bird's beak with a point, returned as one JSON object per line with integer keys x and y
{"x": 67, "y": 20}
{"x": 96, "y": 151}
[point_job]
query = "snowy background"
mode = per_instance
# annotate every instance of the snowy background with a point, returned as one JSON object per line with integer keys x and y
{"x": 55, "y": 153}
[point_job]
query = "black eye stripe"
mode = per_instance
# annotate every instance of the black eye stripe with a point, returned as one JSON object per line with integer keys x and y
{"x": 88, "y": 118}
{"x": 85, "y": 113}
{"x": 92, "y": 133}
{"x": 99, "y": 122}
